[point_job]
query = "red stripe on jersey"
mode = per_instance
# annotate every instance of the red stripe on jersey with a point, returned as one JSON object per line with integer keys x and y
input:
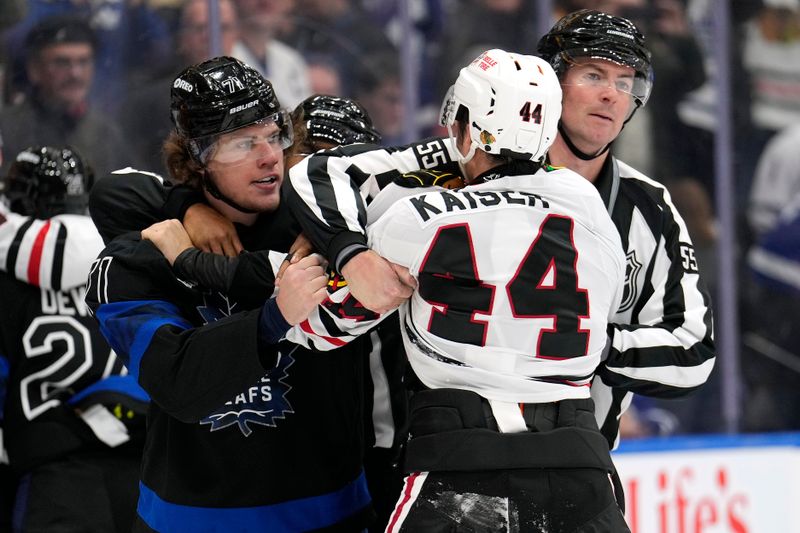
{"x": 305, "y": 326}
{"x": 398, "y": 510}
{"x": 36, "y": 255}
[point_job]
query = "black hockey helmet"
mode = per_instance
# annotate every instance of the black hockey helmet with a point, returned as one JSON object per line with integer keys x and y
{"x": 338, "y": 121}
{"x": 594, "y": 34}
{"x": 221, "y": 95}
{"x": 44, "y": 181}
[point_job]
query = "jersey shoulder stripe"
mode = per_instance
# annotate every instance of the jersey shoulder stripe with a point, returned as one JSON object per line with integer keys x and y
{"x": 55, "y": 253}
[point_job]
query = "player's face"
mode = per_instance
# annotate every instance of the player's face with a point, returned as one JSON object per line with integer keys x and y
{"x": 247, "y": 166}
{"x": 596, "y": 102}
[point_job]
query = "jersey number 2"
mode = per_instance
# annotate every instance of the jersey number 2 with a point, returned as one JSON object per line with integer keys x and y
{"x": 545, "y": 285}
{"x": 67, "y": 343}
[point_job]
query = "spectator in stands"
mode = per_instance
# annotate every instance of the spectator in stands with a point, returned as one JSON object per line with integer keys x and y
{"x": 145, "y": 119}
{"x": 257, "y": 46}
{"x": 380, "y": 91}
{"x": 323, "y": 76}
{"x": 343, "y": 31}
{"x": 699, "y": 111}
{"x": 776, "y": 181}
{"x": 423, "y": 34}
{"x": 484, "y": 24}
{"x": 131, "y": 39}
{"x": 60, "y": 65}
{"x": 771, "y": 359}
{"x": 771, "y": 55}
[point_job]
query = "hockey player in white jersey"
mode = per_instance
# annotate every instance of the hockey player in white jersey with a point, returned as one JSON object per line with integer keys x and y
{"x": 516, "y": 276}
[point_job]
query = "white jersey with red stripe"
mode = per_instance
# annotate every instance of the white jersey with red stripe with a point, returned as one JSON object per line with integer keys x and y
{"x": 53, "y": 253}
{"x": 517, "y": 278}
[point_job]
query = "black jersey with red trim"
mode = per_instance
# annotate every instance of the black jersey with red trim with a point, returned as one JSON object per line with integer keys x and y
{"x": 241, "y": 436}
{"x": 66, "y": 391}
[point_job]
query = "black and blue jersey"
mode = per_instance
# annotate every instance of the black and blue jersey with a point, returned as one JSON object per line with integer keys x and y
{"x": 242, "y": 435}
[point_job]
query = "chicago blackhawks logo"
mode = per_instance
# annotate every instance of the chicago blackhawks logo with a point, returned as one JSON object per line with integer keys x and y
{"x": 262, "y": 404}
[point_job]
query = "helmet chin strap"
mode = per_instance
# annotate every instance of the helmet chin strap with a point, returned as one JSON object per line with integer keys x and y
{"x": 212, "y": 188}
{"x": 575, "y": 150}
{"x": 462, "y": 159}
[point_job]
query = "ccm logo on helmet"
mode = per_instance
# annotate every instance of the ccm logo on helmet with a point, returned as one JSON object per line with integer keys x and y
{"x": 183, "y": 84}
{"x": 242, "y": 107}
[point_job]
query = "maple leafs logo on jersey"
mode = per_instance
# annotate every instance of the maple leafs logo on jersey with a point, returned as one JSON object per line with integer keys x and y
{"x": 632, "y": 268}
{"x": 217, "y": 306}
{"x": 262, "y": 404}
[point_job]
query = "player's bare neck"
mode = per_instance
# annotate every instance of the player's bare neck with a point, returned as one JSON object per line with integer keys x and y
{"x": 479, "y": 164}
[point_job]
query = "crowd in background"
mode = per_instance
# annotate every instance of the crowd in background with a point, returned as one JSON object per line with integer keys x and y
{"x": 101, "y": 85}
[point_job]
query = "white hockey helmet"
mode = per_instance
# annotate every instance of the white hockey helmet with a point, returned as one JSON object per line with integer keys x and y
{"x": 514, "y": 104}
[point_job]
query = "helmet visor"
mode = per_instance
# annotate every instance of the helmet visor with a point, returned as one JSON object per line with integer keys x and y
{"x": 447, "y": 118}
{"x": 246, "y": 143}
{"x": 638, "y": 85}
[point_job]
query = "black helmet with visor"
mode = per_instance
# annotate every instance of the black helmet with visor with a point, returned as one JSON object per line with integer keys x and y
{"x": 594, "y": 34}
{"x": 222, "y": 95}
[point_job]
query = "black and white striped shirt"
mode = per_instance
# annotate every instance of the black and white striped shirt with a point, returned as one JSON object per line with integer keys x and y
{"x": 661, "y": 339}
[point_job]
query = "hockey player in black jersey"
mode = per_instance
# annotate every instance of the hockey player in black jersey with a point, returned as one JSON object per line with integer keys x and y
{"x": 323, "y": 122}
{"x": 72, "y": 419}
{"x": 244, "y": 433}
{"x": 129, "y": 200}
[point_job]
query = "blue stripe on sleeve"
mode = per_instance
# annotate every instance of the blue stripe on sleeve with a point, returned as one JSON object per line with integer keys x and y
{"x": 287, "y": 517}
{"x": 4, "y": 373}
{"x": 121, "y": 384}
{"x": 129, "y": 327}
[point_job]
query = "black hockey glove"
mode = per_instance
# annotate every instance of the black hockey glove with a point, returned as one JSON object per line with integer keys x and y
{"x": 430, "y": 178}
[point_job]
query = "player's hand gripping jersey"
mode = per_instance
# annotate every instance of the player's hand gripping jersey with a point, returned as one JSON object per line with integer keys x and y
{"x": 517, "y": 279}
{"x": 661, "y": 339}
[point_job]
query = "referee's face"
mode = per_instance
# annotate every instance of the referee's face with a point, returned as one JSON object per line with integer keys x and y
{"x": 595, "y": 102}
